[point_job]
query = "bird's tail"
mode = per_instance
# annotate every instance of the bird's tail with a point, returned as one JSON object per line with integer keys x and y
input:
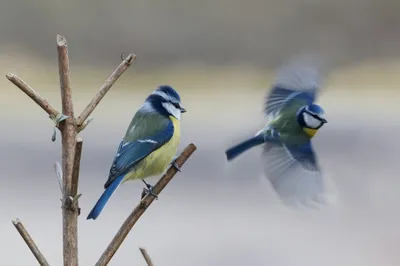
{"x": 244, "y": 146}
{"x": 94, "y": 213}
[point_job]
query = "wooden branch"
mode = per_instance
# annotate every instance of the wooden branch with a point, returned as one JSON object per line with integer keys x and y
{"x": 29, "y": 241}
{"x": 105, "y": 88}
{"x": 75, "y": 176}
{"x": 77, "y": 164}
{"x": 28, "y": 90}
{"x": 146, "y": 256}
{"x": 142, "y": 207}
{"x": 68, "y": 132}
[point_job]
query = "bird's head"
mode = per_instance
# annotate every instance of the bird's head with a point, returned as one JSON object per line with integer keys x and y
{"x": 166, "y": 101}
{"x": 311, "y": 118}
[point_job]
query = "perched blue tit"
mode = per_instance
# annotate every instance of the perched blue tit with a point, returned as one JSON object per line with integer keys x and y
{"x": 290, "y": 163}
{"x": 149, "y": 145}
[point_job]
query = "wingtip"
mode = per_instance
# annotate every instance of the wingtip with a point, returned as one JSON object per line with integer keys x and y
{"x": 228, "y": 156}
{"x": 91, "y": 216}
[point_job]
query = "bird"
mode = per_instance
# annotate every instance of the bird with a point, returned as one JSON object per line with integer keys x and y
{"x": 289, "y": 160}
{"x": 149, "y": 145}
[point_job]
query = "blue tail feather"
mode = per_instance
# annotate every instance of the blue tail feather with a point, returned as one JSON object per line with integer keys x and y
{"x": 244, "y": 146}
{"x": 94, "y": 213}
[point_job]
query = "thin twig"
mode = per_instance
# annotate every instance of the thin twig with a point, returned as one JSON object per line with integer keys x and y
{"x": 69, "y": 131}
{"x": 58, "y": 170}
{"x": 30, "y": 243}
{"x": 84, "y": 125}
{"x": 142, "y": 207}
{"x": 105, "y": 88}
{"x": 28, "y": 90}
{"x": 146, "y": 257}
{"x": 77, "y": 163}
{"x": 75, "y": 175}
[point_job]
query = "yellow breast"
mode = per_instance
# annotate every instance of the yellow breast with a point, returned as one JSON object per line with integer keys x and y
{"x": 157, "y": 161}
{"x": 310, "y": 132}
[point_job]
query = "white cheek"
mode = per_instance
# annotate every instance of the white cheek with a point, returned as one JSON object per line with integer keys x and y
{"x": 311, "y": 121}
{"x": 172, "y": 110}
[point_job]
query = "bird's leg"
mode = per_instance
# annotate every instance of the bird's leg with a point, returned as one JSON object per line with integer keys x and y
{"x": 174, "y": 164}
{"x": 148, "y": 190}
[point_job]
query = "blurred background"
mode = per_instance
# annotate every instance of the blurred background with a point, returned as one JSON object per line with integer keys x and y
{"x": 221, "y": 56}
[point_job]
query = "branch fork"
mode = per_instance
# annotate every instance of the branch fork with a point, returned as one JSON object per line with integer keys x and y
{"x": 67, "y": 173}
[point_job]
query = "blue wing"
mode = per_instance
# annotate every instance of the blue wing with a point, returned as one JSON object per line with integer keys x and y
{"x": 294, "y": 173}
{"x": 131, "y": 152}
{"x": 293, "y": 83}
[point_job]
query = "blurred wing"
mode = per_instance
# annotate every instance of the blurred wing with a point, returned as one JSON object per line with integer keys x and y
{"x": 131, "y": 152}
{"x": 295, "y": 82}
{"x": 294, "y": 173}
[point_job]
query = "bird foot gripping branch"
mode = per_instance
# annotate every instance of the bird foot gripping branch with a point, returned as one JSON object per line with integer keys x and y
{"x": 148, "y": 190}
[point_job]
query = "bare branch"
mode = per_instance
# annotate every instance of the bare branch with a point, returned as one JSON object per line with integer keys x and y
{"x": 28, "y": 90}
{"x": 69, "y": 131}
{"x": 146, "y": 256}
{"x": 105, "y": 88}
{"x": 84, "y": 125}
{"x": 58, "y": 170}
{"x": 75, "y": 175}
{"x": 29, "y": 241}
{"x": 77, "y": 163}
{"x": 142, "y": 207}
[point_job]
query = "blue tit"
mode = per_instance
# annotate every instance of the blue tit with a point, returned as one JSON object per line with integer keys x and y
{"x": 149, "y": 145}
{"x": 290, "y": 163}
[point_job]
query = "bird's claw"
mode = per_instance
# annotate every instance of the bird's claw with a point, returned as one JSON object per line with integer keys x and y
{"x": 174, "y": 164}
{"x": 149, "y": 190}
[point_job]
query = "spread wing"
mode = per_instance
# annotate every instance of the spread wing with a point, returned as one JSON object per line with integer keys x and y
{"x": 294, "y": 82}
{"x": 130, "y": 153}
{"x": 294, "y": 173}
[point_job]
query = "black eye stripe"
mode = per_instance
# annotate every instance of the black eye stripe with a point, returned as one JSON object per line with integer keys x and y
{"x": 315, "y": 116}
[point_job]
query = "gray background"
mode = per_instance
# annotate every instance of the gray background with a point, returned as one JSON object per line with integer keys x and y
{"x": 220, "y": 55}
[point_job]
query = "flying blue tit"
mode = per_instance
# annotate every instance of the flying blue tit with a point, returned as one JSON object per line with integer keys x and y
{"x": 149, "y": 145}
{"x": 290, "y": 163}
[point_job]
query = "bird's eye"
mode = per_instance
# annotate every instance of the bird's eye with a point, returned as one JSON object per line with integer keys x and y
{"x": 176, "y": 105}
{"x": 316, "y": 117}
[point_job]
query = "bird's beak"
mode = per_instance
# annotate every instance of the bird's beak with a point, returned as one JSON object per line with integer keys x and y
{"x": 324, "y": 121}
{"x": 183, "y": 110}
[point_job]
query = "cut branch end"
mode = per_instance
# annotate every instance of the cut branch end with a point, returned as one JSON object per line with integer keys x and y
{"x": 104, "y": 89}
{"x": 29, "y": 242}
{"x": 61, "y": 40}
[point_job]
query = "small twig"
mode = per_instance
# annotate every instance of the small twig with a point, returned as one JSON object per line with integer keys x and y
{"x": 77, "y": 163}
{"x": 105, "y": 88}
{"x": 75, "y": 175}
{"x": 28, "y": 90}
{"x": 58, "y": 170}
{"x": 29, "y": 241}
{"x": 68, "y": 132}
{"x": 146, "y": 257}
{"x": 142, "y": 207}
{"x": 84, "y": 125}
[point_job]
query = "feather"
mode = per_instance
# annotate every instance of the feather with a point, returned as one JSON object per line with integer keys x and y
{"x": 96, "y": 210}
{"x": 238, "y": 149}
{"x": 129, "y": 153}
{"x": 294, "y": 82}
{"x": 294, "y": 173}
